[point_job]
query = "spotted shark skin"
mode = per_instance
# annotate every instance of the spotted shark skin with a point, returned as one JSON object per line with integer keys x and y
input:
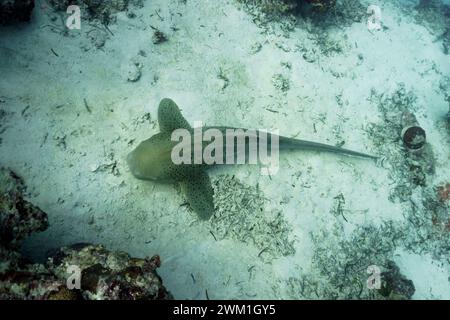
{"x": 151, "y": 159}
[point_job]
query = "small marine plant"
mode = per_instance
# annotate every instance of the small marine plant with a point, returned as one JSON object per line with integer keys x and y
{"x": 158, "y": 36}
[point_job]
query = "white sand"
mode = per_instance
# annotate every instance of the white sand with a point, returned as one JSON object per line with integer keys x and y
{"x": 86, "y": 202}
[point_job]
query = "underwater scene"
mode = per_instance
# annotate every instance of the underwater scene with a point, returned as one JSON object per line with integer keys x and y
{"x": 216, "y": 150}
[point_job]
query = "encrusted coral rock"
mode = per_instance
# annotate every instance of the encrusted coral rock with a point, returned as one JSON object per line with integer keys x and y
{"x": 394, "y": 285}
{"x": 29, "y": 284}
{"x": 107, "y": 275}
{"x": 18, "y": 217}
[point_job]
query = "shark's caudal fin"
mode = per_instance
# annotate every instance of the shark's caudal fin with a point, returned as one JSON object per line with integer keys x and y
{"x": 170, "y": 117}
{"x": 199, "y": 192}
{"x": 295, "y": 144}
{"x": 197, "y": 188}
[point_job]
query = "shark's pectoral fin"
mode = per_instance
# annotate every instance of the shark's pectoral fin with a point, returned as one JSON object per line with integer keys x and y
{"x": 199, "y": 192}
{"x": 170, "y": 117}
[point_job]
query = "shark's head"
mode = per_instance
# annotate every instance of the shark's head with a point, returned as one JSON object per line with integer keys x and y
{"x": 139, "y": 162}
{"x": 151, "y": 159}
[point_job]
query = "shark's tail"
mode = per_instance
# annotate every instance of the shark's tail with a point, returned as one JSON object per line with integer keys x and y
{"x": 295, "y": 144}
{"x": 285, "y": 143}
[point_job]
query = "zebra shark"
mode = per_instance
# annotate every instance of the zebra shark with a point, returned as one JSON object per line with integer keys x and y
{"x": 152, "y": 159}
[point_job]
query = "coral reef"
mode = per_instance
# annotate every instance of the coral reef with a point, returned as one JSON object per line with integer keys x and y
{"x": 110, "y": 275}
{"x": 32, "y": 282}
{"x": 12, "y": 11}
{"x": 104, "y": 274}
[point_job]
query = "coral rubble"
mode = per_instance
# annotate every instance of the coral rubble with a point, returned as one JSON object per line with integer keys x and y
{"x": 245, "y": 218}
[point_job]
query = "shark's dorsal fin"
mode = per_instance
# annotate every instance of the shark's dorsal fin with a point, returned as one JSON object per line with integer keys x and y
{"x": 199, "y": 193}
{"x": 170, "y": 117}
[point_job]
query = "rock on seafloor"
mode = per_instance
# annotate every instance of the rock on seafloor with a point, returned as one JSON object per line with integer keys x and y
{"x": 18, "y": 217}
{"x": 103, "y": 274}
{"x": 108, "y": 275}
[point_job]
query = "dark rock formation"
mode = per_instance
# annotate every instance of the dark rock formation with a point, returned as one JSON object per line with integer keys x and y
{"x": 18, "y": 217}
{"x": 394, "y": 285}
{"x": 12, "y": 11}
{"x": 110, "y": 275}
{"x": 322, "y": 5}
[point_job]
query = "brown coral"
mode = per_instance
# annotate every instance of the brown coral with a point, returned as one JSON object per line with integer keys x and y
{"x": 444, "y": 192}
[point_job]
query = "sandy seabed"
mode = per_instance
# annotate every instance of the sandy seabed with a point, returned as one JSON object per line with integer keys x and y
{"x": 74, "y": 103}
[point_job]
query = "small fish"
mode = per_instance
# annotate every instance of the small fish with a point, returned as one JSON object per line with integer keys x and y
{"x": 152, "y": 158}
